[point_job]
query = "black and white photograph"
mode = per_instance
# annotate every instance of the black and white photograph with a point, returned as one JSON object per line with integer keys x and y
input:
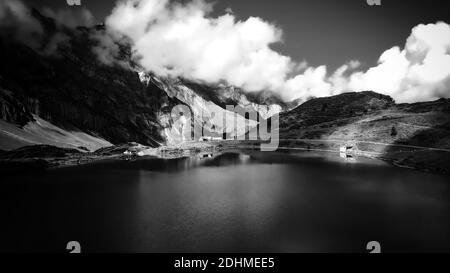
{"x": 235, "y": 127}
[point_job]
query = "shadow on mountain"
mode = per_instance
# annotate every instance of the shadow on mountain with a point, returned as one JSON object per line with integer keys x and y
{"x": 72, "y": 87}
{"x": 321, "y": 116}
{"x": 428, "y": 148}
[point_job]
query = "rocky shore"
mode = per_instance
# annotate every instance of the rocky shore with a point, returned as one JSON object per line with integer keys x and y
{"x": 426, "y": 159}
{"x": 40, "y": 157}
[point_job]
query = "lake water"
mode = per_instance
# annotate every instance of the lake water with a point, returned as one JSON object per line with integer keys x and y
{"x": 242, "y": 201}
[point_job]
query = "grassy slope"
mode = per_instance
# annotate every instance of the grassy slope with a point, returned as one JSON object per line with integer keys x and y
{"x": 43, "y": 132}
{"x": 422, "y": 138}
{"x": 377, "y": 127}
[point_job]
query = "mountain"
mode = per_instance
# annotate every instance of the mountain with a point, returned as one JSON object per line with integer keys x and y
{"x": 330, "y": 110}
{"x": 73, "y": 90}
{"x": 223, "y": 95}
{"x": 414, "y": 135}
{"x": 75, "y": 94}
{"x": 202, "y": 110}
{"x": 367, "y": 116}
{"x": 61, "y": 94}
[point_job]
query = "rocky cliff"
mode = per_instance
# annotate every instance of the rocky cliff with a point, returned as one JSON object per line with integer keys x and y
{"x": 73, "y": 90}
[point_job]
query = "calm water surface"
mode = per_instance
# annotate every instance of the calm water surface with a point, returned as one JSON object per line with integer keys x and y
{"x": 233, "y": 202}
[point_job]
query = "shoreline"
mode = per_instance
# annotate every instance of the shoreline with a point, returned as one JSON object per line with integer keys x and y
{"x": 422, "y": 160}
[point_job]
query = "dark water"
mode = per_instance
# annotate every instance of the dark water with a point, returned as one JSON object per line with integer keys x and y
{"x": 233, "y": 202}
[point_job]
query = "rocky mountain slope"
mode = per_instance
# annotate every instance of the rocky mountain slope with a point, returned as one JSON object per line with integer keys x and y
{"x": 368, "y": 116}
{"x": 72, "y": 100}
{"x": 265, "y": 103}
{"x": 316, "y": 116}
{"x": 72, "y": 90}
{"x": 415, "y": 135}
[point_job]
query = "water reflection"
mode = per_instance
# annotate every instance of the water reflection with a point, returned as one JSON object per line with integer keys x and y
{"x": 347, "y": 157}
{"x": 247, "y": 201}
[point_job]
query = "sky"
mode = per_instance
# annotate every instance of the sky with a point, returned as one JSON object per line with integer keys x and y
{"x": 295, "y": 48}
{"x": 321, "y": 32}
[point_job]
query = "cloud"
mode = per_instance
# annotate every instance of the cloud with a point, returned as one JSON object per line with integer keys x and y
{"x": 70, "y": 17}
{"x": 110, "y": 48}
{"x": 56, "y": 41}
{"x": 174, "y": 39}
{"x": 17, "y": 23}
{"x": 184, "y": 40}
{"x": 420, "y": 71}
{"x": 106, "y": 49}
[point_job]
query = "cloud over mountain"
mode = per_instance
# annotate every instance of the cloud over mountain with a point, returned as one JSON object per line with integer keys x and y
{"x": 70, "y": 17}
{"x": 17, "y": 23}
{"x": 184, "y": 39}
{"x": 420, "y": 71}
{"x": 176, "y": 39}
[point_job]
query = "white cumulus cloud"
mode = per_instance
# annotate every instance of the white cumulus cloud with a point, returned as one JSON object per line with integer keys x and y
{"x": 184, "y": 40}
{"x": 420, "y": 71}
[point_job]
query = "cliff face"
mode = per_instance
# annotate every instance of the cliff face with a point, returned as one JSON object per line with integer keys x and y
{"x": 74, "y": 91}
{"x": 66, "y": 98}
{"x": 223, "y": 95}
{"x": 204, "y": 112}
{"x": 14, "y": 108}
